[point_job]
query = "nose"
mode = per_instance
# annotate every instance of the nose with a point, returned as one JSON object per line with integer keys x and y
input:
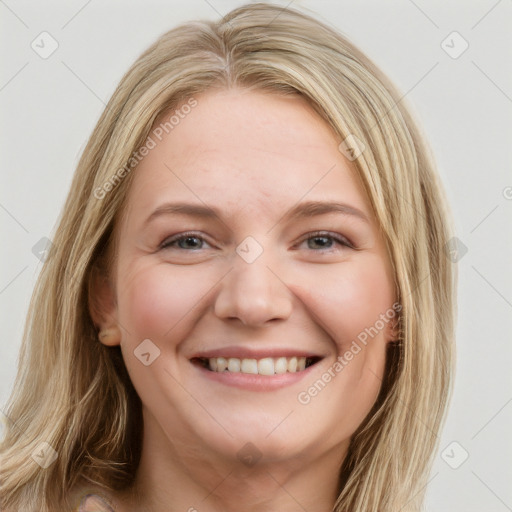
{"x": 254, "y": 294}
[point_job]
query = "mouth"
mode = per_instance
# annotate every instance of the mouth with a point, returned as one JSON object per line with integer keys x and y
{"x": 266, "y": 366}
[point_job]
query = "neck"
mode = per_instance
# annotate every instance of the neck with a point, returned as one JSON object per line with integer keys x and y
{"x": 172, "y": 477}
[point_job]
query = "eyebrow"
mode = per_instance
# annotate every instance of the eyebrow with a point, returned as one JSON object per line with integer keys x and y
{"x": 302, "y": 210}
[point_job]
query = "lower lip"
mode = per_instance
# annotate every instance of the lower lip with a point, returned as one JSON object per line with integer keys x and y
{"x": 253, "y": 382}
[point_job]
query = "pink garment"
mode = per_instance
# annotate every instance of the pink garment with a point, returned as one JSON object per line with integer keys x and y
{"x": 94, "y": 503}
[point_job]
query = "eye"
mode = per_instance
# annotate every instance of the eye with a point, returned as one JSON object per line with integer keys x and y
{"x": 187, "y": 241}
{"x": 325, "y": 241}
{"x": 319, "y": 241}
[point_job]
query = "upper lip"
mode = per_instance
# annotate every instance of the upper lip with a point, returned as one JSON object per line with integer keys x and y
{"x": 249, "y": 353}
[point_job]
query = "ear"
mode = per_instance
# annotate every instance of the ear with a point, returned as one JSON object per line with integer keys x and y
{"x": 394, "y": 331}
{"x": 393, "y": 327}
{"x": 103, "y": 307}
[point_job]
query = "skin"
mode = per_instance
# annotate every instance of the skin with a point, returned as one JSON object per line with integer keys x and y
{"x": 252, "y": 155}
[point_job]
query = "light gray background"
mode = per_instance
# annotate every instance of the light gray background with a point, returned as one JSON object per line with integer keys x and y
{"x": 50, "y": 107}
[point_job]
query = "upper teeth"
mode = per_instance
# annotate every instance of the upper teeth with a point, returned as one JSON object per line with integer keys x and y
{"x": 266, "y": 366}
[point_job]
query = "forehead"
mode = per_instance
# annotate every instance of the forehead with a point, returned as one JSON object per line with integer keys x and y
{"x": 246, "y": 148}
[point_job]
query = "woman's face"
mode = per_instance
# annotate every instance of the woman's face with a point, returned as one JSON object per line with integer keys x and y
{"x": 248, "y": 241}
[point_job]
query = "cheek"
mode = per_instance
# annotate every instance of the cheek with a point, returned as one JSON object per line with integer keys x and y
{"x": 157, "y": 299}
{"x": 349, "y": 308}
{"x": 351, "y": 303}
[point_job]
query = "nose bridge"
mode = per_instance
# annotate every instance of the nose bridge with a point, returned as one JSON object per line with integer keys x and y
{"x": 252, "y": 292}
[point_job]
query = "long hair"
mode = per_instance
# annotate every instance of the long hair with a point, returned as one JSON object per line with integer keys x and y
{"x": 73, "y": 394}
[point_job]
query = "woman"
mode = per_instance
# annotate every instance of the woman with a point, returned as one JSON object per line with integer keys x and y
{"x": 247, "y": 305}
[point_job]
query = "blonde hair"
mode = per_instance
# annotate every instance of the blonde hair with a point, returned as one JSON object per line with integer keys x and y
{"x": 74, "y": 393}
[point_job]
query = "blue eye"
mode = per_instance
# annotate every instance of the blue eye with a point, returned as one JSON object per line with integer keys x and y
{"x": 188, "y": 241}
{"x": 325, "y": 241}
{"x": 318, "y": 241}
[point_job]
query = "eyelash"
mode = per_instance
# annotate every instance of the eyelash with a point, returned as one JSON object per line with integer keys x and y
{"x": 341, "y": 240}
{"x": 166, "y": 244}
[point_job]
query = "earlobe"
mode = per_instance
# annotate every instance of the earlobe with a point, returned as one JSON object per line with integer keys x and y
{"x": 110, "y": 337}
{"x": 394, "y": 331}
{"x": 102, "y": 307}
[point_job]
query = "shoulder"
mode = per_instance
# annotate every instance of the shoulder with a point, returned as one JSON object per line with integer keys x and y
{"x": 88, "y": 503}
{"x": 94, "y": 503}
{"x": 87, "y": 498}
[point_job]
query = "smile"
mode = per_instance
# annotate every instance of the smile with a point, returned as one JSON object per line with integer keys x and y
{"x": 266, "y": 366}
